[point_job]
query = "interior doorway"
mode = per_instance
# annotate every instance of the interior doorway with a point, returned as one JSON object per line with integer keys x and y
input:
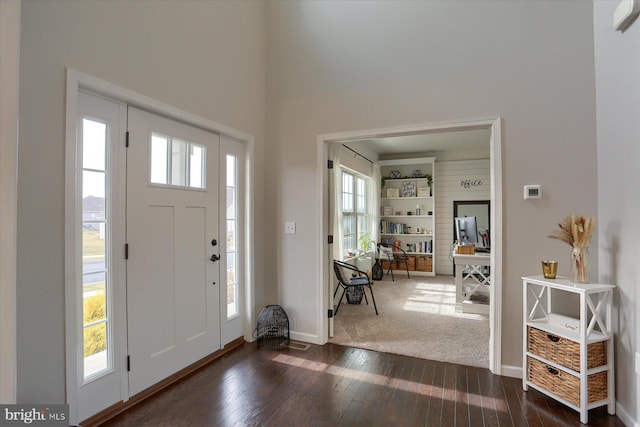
{"x": 493, "y": 126}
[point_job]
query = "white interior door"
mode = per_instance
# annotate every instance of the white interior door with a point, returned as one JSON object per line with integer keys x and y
{"x": 173, "y": 284}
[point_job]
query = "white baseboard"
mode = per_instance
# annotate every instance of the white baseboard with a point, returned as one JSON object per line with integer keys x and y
{"x": 625, "y": 417}
{"x": 512, "y": 371}
{"x": 308, "y": 338}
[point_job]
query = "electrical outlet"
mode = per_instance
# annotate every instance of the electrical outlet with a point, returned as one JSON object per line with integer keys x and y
{"x": 638, "y": 363}
{"x": 290, "y": 227}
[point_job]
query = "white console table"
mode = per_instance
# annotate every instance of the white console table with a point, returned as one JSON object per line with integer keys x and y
{"x": 587, "y": 379}
{"x": 471, "y": 277}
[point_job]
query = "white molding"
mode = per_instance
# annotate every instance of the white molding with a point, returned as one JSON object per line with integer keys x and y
{"x": 512, "y": 371}
{"x": 70, "y": 249}
{"x": 9, "y": 110}
{"x": 495, "y": 310}
{"x": 77, "y": 80}
{"x": 309, "y": 338}
{"x": 411, "y": 161}
{"x": 625, "y": 417}
{"x": 151, "y": 105}
{"x": 322, "y": 230}
{"x": 495, "y": 125}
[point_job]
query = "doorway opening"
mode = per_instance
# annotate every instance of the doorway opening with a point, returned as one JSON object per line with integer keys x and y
{"x": 493, "y": 128}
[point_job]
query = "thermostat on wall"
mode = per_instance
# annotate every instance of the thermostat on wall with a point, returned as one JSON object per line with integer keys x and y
{"x": 532, "y": 192}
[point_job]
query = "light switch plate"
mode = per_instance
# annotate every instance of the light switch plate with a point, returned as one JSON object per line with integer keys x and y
{"x": 290, "y": 227}
{"x": 532, "y": 192}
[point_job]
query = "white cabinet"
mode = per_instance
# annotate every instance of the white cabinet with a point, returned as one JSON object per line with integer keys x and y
{"x": 408, "y": 210}
{"x": 569, "y": 358}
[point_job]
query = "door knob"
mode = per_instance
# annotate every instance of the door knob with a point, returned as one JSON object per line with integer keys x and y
{"x": 214, "y": 258}
{"x": 214, "y": 242}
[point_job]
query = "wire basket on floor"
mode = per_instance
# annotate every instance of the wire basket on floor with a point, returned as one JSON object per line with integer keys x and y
{"x": 272, "y": 332}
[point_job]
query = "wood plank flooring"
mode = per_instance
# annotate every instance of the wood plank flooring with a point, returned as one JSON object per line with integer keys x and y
{"x": 332, "y": 385}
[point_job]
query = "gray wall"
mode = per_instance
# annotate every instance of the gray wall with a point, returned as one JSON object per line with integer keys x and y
{"x": 207, "y": 58}
{"x": 617, "y": 64}
{"x": 341, "y": 66}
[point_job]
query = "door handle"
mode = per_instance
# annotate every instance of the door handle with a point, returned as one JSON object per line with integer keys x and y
{"x": 214, "y": 258}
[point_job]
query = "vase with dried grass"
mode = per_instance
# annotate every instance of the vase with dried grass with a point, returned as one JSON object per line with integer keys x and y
{"x": 577, "y": 231}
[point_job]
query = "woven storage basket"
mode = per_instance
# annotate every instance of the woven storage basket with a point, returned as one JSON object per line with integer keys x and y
{"x": 564, "y": 351}
{"x": 423, "y": 264}
{"x": 565, "y": 385}
{"x": 411, "y": 263}
{"x": 385, "y": 265}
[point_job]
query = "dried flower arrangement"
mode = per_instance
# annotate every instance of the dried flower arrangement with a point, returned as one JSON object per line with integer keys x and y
{"x": 577, "y": 231}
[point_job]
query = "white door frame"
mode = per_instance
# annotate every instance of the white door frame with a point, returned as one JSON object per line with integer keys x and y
{"x": 77, "y": 80}
{"x": 492, "y": 123}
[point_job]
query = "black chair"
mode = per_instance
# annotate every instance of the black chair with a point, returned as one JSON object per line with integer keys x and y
{"x": 351, "y": 279}
{"x": 393, "y": 254}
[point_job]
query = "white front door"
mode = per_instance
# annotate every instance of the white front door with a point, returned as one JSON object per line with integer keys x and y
{"x": 173, "y": 295}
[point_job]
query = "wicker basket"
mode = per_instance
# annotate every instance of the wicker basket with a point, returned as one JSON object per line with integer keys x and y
{"x": 424, "y": 264}
{"x": 565, "y": 385}
{"x": 386, "y": 264}
{"x": 411, "y": 263}
{"x": 564, "y": 351}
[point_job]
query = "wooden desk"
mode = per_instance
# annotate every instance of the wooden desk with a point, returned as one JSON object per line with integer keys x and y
{"x": 471, "y": 277}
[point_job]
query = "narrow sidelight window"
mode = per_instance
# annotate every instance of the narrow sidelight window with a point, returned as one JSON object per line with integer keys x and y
{"x": 96, "y": 283}
{"x": 232, "y": 235}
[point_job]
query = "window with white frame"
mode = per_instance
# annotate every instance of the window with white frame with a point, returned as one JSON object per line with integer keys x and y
{"x": 355, "y": 215}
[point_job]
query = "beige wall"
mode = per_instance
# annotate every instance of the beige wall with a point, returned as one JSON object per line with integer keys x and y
{"x": 340, "y": 66}
{"x": 9, "y": 77}
{"x": 206, "y": 58}
{"x": 617, "y": 63}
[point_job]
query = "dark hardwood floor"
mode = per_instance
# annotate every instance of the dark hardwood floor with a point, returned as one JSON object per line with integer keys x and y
{"x": 332, "y": 385}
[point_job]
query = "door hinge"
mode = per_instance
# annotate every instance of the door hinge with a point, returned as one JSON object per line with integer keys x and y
{"x": 330, "y": 164}
{"x": 128, "y": 363}
{"x": 330, "y": 313}
{"x": 330, "y": 239}
{"x": 126, "y": 139}
{"x": 126, "y": 251}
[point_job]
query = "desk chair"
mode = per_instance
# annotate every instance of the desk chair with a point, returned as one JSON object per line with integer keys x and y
{"x": 350, "y": 277}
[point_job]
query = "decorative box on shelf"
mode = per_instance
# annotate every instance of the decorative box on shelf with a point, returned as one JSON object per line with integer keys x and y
{"x": 569, "y": 359}
{"x": 393, "y": 193}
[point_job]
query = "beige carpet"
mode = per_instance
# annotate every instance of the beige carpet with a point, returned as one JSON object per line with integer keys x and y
{"x": 417, "y": 318}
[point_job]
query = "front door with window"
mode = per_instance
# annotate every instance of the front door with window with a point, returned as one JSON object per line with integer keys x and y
{"x": 173, "y": 205}
{"x": 173, "y": 268}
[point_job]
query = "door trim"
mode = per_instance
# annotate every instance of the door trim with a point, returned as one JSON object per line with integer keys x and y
{"x": 77, "y": 80}
{"x": 492, "y": 123}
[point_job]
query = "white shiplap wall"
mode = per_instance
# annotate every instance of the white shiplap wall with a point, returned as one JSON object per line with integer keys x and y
{"x": 448, "y": 180}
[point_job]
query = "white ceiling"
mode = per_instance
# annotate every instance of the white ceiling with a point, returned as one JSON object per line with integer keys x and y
{"x": 467, "y": 140}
